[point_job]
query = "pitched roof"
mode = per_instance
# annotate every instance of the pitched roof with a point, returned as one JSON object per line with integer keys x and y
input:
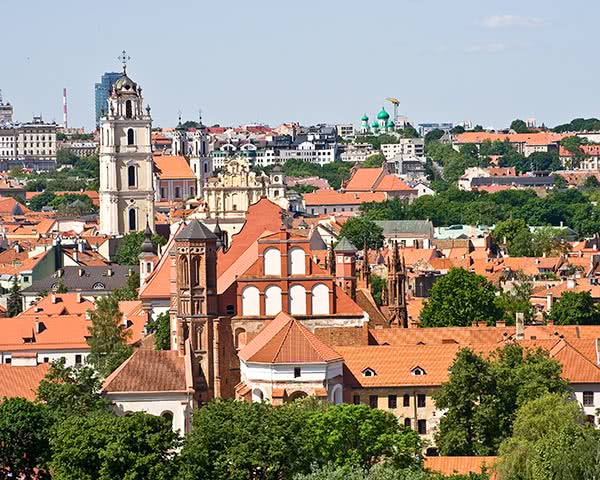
{"x": 286, "y": 340}
{"x": 345, "y": 245}
{"x": 57, "y": 304}
{"x": 149, "y": 371}
{"x": 172, "y": 167}
{"x": 196, "y": 230}
{"x": 391, "y": 183}
{"x": 364, "y": 179}
{"x": 460, "y": 465}
{"x": 331, "y": 197}
{"x": 21, "y": 381}
{"x": 537, "y": 138}
{"x": 421, "y": 227}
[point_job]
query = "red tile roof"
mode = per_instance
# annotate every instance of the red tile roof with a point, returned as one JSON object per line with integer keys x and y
{"x": 538, "y": 138}
{"x": 391, "y": 183}
{"x": 21, "y": 381}
{"x": 461, "y": 465}
{"x": 286, "y": 340}
{"x": 149, "y": 371}
{"x": 331, "y": 197}
{"x": 172, "y": 167}
{"x": 364, "y": 179}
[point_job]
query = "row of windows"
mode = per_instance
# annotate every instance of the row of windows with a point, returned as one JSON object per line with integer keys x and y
{"x": 296, "y": 261}
{"x": 296, "y": 300}
{"x": 392, "y": 400}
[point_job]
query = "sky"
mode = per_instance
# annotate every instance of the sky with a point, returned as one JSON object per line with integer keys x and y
{"x": 326, "y": 61}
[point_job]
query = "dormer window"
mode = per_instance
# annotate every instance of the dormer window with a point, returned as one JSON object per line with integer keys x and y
{"x": 369, "y": 372}
{"x": 98, "y": 286}
{"x": 418, "y": 371}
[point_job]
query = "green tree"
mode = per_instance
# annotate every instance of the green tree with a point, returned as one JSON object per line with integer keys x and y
{"x": 573, "y": 145}
{"x": 457, "y": 130}
{"x": 434, "y": 135}
{"x": 549, "y": 241}
{"x": 359, "y": 229}
{"x": 517, "y": 299}
{"x": 575, "y": 308}
{"x": 482, "y": 395}
{"x": 108, "y": 336}
{"x": 109, "y": 447}
{"x": 130, "y": 290}
{"x": 460, "y": 298}
{"x": 24, "y": 433}
{"x": 130, "y": 247}
{"x": 14, "y": 303}
{"x": 514, "y": 235}
{"x": 545, "y": 429}
{"x": 41, "y": 200}
{"x": 378, "y": 285}
{"x": 374, "y": 161}
{"x": 161, "y": 328}
{"x": 519, "y": 126}
{"x": 71, "y": 391}
{"x": 591, "y": 182}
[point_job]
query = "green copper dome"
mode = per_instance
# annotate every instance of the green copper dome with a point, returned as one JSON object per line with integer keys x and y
{"x": 383, "y": 115}
{"x": 389, "y": 124}
{"x": 375, "y": 124}
{"x": 365, "y": 118}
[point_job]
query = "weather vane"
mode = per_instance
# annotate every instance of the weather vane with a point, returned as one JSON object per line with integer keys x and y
{"x": 124, "y": 59}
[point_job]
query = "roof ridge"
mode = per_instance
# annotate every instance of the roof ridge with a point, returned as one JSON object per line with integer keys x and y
{"x": 313, "y": 340}
{"x": 571, "y": 347}
{"x": 289, "y": 325}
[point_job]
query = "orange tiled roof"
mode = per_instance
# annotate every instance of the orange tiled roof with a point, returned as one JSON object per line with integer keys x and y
{"x": 60, "y": 304}
{"x": 172, "y": 167}
{"x": 461, "y": 465}
{"x": 537, "y": 138}
{"x": 364, "y": 179}
{"x": 286, "y": 340}
{"x": 21, "y": 381}
{"x": 331, "y": 197}
{"x": 149, "y": 371}
{"x": 391, "y": 183}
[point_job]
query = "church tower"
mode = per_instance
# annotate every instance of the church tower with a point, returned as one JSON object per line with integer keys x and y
{"x": 396, "y": 288}
{"x": 179, "y": 144}
{"x": 194, "y": 309}
{"x": 126, "y": 166}
{"x": 200, "y": 161}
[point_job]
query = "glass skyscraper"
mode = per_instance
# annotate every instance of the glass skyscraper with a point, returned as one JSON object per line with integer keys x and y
{"x": 102, "y": 91}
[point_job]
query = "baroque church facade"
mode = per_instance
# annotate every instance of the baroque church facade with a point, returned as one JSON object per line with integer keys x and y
{"x": 126, "y": 165}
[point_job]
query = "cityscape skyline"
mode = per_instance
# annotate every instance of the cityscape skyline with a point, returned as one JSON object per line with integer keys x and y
{"x": 300, "y": 66}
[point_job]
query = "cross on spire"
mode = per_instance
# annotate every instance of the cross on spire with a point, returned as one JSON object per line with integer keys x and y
{"x": 124, "y": 59}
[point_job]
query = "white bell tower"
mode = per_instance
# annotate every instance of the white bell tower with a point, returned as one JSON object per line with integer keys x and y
{"x": 126, "y": 166}
{"x": 200, "y": 161}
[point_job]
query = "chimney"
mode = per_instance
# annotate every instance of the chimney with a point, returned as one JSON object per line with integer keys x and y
{"x": 109, "y": 272}
{"x": 500, "y": 324}
{"x": 53, "y": 298}
{"x": 548, "y": 302}
{"x": 520, "y": 326}
{"x": 81, "y": 246}
{"x": 81, "y": 271}
{"x": 78, "y": 297}
{"x": 39, "y": 326}
{"x": 571, "y": 283}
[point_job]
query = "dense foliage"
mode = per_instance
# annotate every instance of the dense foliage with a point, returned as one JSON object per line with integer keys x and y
{"x": 233, "y": 440}
{"x": 459, "y": 299}
{"x": 130, "y": 247}
{"x": 519, "y": 241}
{"x": 550, "y": 440}
{"x": 161, "y": 328}
{"x": 575, "y": 308}
{"x": 579, "y": 125}
{"x": 108, "y": 336}
{"x": 380, "y": 472}
{"x": 360, "y": 230}
{"x": 483, "y": 394}
{"x": 335, "y": 173}
{"x": 451, "y": 207}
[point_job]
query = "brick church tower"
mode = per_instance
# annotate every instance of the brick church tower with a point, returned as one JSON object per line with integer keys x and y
{"x": 194, "y": 306}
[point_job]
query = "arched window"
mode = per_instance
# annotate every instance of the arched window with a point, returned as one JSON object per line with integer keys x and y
{"x": 297, "y": 300}
{"x": 257, "y": 395}
{"x": 131, "y": 180}
{"x": 148, "y": 267}
{"x": 272, "y": 300}
{"x": 320, "y": 299}
{"x": 296, "y": 265}
{"x": 130, "y": 137}
{"x": 272, "y": 262}
{"x": 185, "y": 271}
{"x": 132, "y": 220}
{"x": 98, "y": 286}
{"x": 128, "y": 109}
{"x": 250, "y": 302}
{"x": 195, "y": 272}
{"x": 168, "y": 416}
{"x": 240, "y": 337}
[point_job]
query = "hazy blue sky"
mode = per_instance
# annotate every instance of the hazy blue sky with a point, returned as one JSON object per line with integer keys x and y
{"x": 311, "y": 61}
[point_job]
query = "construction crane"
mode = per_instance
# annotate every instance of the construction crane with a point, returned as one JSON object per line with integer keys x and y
{"x": 395, "y": 102}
